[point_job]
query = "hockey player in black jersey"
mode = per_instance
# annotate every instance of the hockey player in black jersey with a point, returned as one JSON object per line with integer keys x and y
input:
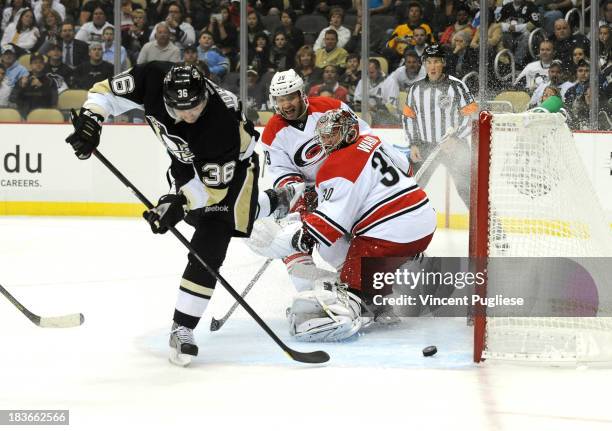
{"x": 213, "y": 165}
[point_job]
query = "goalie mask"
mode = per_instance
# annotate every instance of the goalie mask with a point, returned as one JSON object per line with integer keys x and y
{"x": 184, "y": 88}
{"x": 336, "y": 129}
{"x": 284, "y": 84}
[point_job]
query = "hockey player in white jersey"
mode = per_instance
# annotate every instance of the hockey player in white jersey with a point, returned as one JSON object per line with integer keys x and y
{"x": 364, "y": 194}
{"x": 293, "y": 155}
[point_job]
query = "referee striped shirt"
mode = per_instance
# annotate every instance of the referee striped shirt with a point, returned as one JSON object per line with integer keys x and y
{"x": 433, "y": 107}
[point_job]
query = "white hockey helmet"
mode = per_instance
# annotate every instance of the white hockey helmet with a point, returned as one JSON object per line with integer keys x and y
{"x": 337, "y": 128}
{"x": 284, "y": 83}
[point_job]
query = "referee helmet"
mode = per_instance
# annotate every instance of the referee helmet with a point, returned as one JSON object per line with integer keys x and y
{"x": 433, "y": 51}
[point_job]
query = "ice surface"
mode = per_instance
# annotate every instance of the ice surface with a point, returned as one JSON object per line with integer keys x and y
{"x": 113, "y": 371}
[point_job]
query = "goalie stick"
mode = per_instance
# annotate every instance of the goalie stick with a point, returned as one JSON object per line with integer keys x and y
{"x": 65, "y": 321}
{"x": 215, "y": 324}
{"x": 317, "y": 357}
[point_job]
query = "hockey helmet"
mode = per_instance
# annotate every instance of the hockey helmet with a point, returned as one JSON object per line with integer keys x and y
{"x": 284, "y": 83}
{"x": 433, "y": 51}
{"x": 184, "y": 87}
{"x": 337, "y": 128}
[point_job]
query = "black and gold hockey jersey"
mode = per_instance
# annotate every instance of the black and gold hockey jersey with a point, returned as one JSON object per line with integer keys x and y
{"x": 215, "y": 150}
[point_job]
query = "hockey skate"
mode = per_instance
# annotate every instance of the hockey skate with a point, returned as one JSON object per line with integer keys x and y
{"x": 385, "y": 315}
{"x": 382, "y": 314}
{"x": 183, "y": 345}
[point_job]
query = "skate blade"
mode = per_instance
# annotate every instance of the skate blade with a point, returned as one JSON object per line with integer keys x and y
{"x": 366, "y": 321}
{"x": 180, "y": 359}
{"x": 387, "y": 320}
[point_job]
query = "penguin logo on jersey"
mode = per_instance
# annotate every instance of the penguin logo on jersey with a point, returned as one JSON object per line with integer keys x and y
{"x": 175, "y": 144}
{"x": 309, "y": 153}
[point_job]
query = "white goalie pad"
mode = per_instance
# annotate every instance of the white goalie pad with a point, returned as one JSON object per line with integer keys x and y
{"x": 324, "y": 315}
{"x": 304, "y": 273}
{"x": 309, "y": 271}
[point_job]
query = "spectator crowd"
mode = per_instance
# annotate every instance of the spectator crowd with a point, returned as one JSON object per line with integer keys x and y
{"x": 49, "y": 46}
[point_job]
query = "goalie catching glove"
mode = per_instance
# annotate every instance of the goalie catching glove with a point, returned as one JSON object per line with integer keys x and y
{"x": 326, "y": 314}
{"x": 270, "y": 239}
{"x": 167, "y": 213}
{"x": 87, "y": 130}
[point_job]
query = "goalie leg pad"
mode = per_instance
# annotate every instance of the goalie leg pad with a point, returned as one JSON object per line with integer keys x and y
{"x": 324, "y": 315}
{"x": 303, "y": 272}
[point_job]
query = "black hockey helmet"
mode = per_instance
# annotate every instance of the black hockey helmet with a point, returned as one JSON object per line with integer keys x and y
{"x": 184, "y": 87}
{"x": 433, "y": 51}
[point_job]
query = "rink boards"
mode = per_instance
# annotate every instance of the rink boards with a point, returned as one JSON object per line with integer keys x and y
{"x": 39, "y": 174}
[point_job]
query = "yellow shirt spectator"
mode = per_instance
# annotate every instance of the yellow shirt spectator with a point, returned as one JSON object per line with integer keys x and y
{"x": 330, "y": 54}
{"x": 336, "y": 57}
{"x": 402, "y": 37}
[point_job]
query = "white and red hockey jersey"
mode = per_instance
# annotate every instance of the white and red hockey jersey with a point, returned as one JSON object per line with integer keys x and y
{"x": 364, "y": 189}
{"x": 291, "y": 149}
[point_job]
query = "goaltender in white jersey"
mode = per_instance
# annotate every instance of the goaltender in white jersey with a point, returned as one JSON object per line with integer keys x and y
{"x": 293, "y": 154}
{"x": 366, "y": 194}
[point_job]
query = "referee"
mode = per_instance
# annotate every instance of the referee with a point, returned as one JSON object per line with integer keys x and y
{"x": 438, "y": 115}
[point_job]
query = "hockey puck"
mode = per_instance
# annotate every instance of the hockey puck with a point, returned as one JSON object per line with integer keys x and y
{"x": 430, "y": 351}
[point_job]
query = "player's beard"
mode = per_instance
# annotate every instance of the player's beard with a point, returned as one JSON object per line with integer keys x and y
{"x": 303, "y": 113}
{"x": 298, "y": 117}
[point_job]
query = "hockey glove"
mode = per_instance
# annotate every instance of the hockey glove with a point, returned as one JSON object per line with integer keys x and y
{"x": 247, "y": 124}
{"x": 249, "y": 127}
{"x": 270, "y": 239}
{"x": 169, "y": 211}
{"x": 284, "y": 199}
{"x": 87, "y": 130}
{"x": 302, "y": 241}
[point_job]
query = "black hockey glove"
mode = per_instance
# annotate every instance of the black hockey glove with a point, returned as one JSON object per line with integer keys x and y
{"x": 87, "y": 130}
{"x": 249, "y": 127}
{"x": 168, "y": 212}
{"x": 302, "y": 241}
{"x": 247, "y": 124}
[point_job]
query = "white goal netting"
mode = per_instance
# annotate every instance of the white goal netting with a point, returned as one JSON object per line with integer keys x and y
{"x": 542, "y": 205}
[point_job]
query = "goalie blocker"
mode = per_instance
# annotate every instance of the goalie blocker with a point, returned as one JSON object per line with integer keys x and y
{"x": 365, "y": 194}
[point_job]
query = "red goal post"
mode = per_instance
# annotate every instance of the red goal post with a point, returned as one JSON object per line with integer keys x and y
{"x": 479, "y": 215}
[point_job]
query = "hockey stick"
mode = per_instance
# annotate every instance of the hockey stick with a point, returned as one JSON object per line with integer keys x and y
{"x": 425, "y": 166}
{"x": 215, "y": 324}
{"x": 429, "y": 160}
{"x": 307, "y": 357}
{"x": 66, "y": 321}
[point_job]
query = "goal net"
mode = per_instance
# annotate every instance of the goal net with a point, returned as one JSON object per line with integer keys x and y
{"x": 537, "y": 222}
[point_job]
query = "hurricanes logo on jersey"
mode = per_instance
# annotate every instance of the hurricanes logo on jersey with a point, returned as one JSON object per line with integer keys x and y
{"x": 309, "y": 153}
{"x": 175, "y": 144}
